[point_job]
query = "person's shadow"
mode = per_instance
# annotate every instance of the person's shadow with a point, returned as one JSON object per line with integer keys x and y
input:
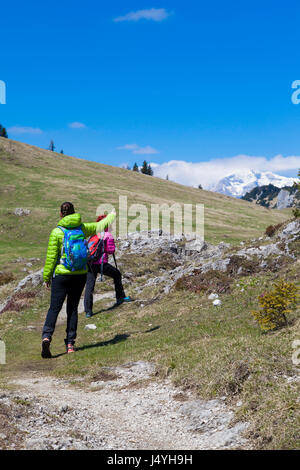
{"x": 112, "y": 307}
{"x": 103, "y": 310}
{"x": 115, "y": 340}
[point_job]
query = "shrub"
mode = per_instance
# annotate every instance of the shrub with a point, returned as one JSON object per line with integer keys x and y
{"x": 20, "y": 302}
{"x": 6, "y": 277}
{"x": 272, "y": 229}
{"x": 296, "y": 213}
{"x": 275, "y": 305}
{"x": 239, "y": 265}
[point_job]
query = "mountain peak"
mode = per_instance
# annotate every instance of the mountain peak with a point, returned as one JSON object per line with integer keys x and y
{"x": 237, "y": 184}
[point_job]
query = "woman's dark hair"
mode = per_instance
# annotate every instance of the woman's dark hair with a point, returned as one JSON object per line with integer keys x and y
{"x": 101, "y": 217}
{"x": 67, "y": 208}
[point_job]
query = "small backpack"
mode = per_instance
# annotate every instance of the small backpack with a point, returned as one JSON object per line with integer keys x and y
{"x": 96, "y": 247}
{"x": 74, "y": 247}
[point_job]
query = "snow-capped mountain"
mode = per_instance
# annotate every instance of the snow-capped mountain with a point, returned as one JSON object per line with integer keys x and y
{"x": 243, "y": 180}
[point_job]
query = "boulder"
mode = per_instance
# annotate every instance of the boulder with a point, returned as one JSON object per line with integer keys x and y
{"x": 19, "y": 211}
{"x": 218, "y": 265}
{"x": 293, "y": 228}
{"x": 195, "y": 246}
{"x": 34, "y": 279}
{"x": 284, "y": 199}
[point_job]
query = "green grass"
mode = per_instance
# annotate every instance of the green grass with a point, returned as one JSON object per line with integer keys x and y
{"x": 40, "y": 180}
{"x": 197, "y": 345}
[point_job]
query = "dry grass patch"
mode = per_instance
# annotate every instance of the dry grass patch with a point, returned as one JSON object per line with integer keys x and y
{"x": 6, "y": 277}
{"x": 20, "y": 301}
{"x": 211, "y": 281}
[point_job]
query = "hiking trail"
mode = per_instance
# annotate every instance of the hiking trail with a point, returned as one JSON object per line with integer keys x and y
{"x": 125, "y": 408}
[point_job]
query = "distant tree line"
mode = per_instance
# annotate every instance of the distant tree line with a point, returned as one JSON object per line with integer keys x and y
{"x": 145, "y": 168}
{"x": 3, "y": 132}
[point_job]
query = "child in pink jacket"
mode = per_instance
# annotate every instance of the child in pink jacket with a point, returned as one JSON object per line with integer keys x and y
{"x": 102, "y": 266}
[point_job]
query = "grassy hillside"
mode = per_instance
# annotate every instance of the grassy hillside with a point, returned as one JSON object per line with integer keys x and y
{"x": 41, "y": 180}
{"x": 213, "y": 351}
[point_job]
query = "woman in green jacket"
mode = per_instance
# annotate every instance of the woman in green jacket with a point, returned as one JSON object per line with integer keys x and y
{"x": 66, "y": 283}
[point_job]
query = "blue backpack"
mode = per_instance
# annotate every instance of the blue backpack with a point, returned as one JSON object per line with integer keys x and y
{"x": 74, "y": 247}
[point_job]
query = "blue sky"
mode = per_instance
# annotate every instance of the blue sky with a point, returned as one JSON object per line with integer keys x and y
{"x": 119, "y": 82}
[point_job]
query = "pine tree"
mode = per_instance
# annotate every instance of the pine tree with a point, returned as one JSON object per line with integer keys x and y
{"x": 135, "y": 168}
{"x": 144, "y": 168}
{"x": 51, "y": 146}
{"x": 150, "y": 171}
{"x": 3, "y": 132}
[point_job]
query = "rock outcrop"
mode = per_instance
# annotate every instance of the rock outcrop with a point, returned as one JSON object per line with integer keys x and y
{"x": 195, "y": 255}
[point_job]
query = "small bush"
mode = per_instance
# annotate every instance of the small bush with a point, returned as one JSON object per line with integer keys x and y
{"x": 5, "y": 278}
{"x": 272, "y": 229}
{"x": 275, "y": 305}
{"x": 20, "y": 302}
{"x": 166, "y": 261}
{"x": 241, "y": 266}
{"x": 296, "y": 213}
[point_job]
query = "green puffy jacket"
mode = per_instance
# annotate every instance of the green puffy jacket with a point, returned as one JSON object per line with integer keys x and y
{"x": 56, "y": 239}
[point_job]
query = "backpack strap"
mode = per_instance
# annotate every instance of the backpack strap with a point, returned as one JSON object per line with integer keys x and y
{"x": 64, "y": 231}
{"x": 61, "y": 251}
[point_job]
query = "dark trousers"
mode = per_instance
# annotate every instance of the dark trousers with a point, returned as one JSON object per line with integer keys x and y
{"x": 62, "y": 286}
{"x": 108, "y": 270}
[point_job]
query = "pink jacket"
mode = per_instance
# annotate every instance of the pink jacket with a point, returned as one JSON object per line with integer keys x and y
{"x": 109, "y": 247}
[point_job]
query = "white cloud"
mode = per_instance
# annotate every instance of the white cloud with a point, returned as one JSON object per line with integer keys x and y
{"x": 15, "y": 130}
{"x": 136, "y": 149}
{"x": 145, "y": 150}
{"x": 128, "y": 147}
{"x": 77, "y": 125}
{"x": 154, "y": 14}
{"x": 210, "y": 172}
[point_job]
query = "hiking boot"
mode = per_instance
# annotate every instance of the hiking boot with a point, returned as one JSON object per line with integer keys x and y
{"x": 70, "y": 348}
{"x": 124, "y": 299}
{"x": 89, "y": 314}
{"x": 46, "y": 354}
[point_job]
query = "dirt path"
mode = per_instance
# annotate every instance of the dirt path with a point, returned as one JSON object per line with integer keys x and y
{"x": 126, "y": 408}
